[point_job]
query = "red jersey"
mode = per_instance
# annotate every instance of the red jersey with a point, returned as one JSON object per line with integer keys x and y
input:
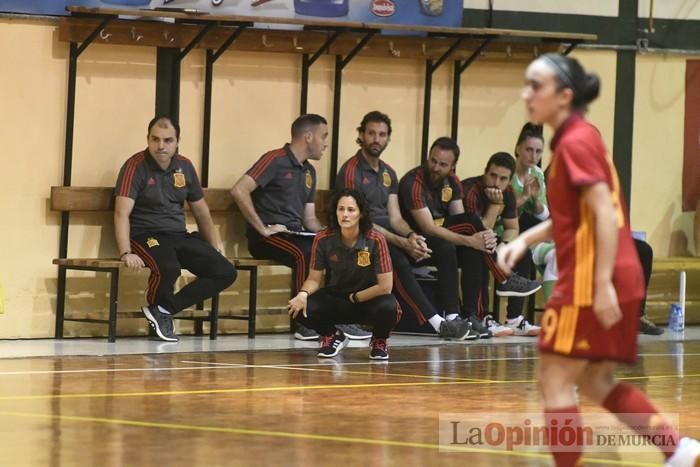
{"x": 580, "y": 159}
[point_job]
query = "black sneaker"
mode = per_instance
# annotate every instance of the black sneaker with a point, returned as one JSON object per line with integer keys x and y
{"x": 378, "y": 349}
{"x": 517, "y": 286}
{"x": 332, "y": 345}
{"x": 162, "y": 323}
{"x": 305, "y": 334}
{"x": 647, "y": 327}
{"x": 353, "y": 331}
{"x": 479, "y": 327}
{"x": 457, "y": 329}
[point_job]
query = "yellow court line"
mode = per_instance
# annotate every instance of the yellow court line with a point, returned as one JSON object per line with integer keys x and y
{"x": 241, "y": 390}
{"x": 307, "y": 436}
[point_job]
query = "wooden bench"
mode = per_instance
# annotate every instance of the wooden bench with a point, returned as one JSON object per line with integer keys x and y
{"x": 95, "y": 199}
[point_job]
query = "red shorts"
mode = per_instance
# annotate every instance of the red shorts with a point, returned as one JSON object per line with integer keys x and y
{"x": 575, "y": 332}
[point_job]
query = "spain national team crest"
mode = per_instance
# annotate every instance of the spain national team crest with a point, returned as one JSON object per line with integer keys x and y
{"x": 363, "y": 259}
{"x": 446, "y": 194}
{"x": 308, "y": 180}
{"x": 151, "y": 242}
{"x": 386, "y": 179}
{"x": 179, "y": 180}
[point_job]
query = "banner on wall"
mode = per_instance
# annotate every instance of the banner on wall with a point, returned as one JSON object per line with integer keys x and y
{"x": 414, "y": 12}
{"x": 691, "y": 145}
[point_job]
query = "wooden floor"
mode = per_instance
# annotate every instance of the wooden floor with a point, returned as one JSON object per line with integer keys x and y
{"x": 287, "y": 408}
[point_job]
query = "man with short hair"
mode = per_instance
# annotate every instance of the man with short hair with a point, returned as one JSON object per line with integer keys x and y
{"x": 430, "y": 197}
{"x": 490, "y": 198}
{"x": 373, "y": 177}
{"x": 150, "y": 229}
{"x": 277, "y": 199}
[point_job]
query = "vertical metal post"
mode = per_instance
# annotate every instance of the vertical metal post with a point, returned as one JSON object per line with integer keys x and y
{"x": 337, "y": 86}
{"x": 305, "y": 65}
{"x": 206, "y": 128}
{"x": 427, "y": 95}
{"x": 456, "y": 88}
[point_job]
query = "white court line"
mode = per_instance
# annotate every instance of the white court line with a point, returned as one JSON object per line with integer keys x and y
{"x": 330, "y": 364}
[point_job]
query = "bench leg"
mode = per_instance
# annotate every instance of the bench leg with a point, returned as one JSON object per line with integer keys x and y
{"x": 214, "y": 318}
{"x": 113, "y": 294}
{"x": 252, "y": 301}
{"x": 199, "y": 323}
{"x": 60, "y": 302}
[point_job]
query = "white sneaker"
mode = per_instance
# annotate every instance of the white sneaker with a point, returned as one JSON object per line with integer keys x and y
{"x": 496, "y": 328}
{"x": 521, "y": 327}
{"x": 687, "y": 454}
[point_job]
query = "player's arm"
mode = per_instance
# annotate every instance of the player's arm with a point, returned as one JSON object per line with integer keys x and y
{"x": 123, "y": 206}
{"x": 311, "y": 222}
{"x": 241, "y": 193}
{"x": 205, "y": 224}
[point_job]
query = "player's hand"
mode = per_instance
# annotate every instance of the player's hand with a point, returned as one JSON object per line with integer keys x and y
{"x": 510, "y": 254}
{"x": 605, "y": 305}
{"x": 133, "y": 261}
{"x": 297, "y": 305}
{"x": 416, "y": 247}
{"x": 527, "y": 184}
{"x": 494, "y": 195}
{"x": 534, "y": 187}
{"x": 484, "y": 241}
{"x": 274, "y": 229}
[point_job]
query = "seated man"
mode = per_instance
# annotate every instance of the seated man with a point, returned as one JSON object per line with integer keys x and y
{"x": 374, "y": 178}
{"x": 277, "y": 198}
{"x": 430, "y": 197}
{"x": 490, "y": 197}
{"x": 359, "y": 287}
{"x": 150, "y": 230}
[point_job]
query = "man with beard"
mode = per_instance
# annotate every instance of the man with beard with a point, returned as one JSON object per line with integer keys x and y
{"x": 369, "y": 174}
{"x": 150, "y": 230}
{"x": 277, "y": 198}
{"x": 430, "y": 198}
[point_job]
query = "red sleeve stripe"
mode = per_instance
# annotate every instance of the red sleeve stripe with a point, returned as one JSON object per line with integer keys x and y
{"x": 350, "y": 169}
{"x": 263, "y": 163}
{"x": 315, "y": 246}
{"x": 417, "y": 190}
{"x": 384, "y": 258}
{"x": 131, "y": 166}
{"x": 473, "y": 199}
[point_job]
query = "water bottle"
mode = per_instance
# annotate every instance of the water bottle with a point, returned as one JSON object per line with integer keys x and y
{"x": 676, "y": 320}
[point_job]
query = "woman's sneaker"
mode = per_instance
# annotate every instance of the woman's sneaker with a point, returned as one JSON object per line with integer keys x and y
{"x": 353, "y": 331}
{"x": 378, "y": 349}
{"x": 496, "y": 328}
{"x": 521, "y": 327}
{"x": 332, "y": 345}
{"x": 305, "y": 334}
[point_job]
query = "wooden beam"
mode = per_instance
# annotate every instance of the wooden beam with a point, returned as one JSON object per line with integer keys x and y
{"x": 150, "y": 34}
